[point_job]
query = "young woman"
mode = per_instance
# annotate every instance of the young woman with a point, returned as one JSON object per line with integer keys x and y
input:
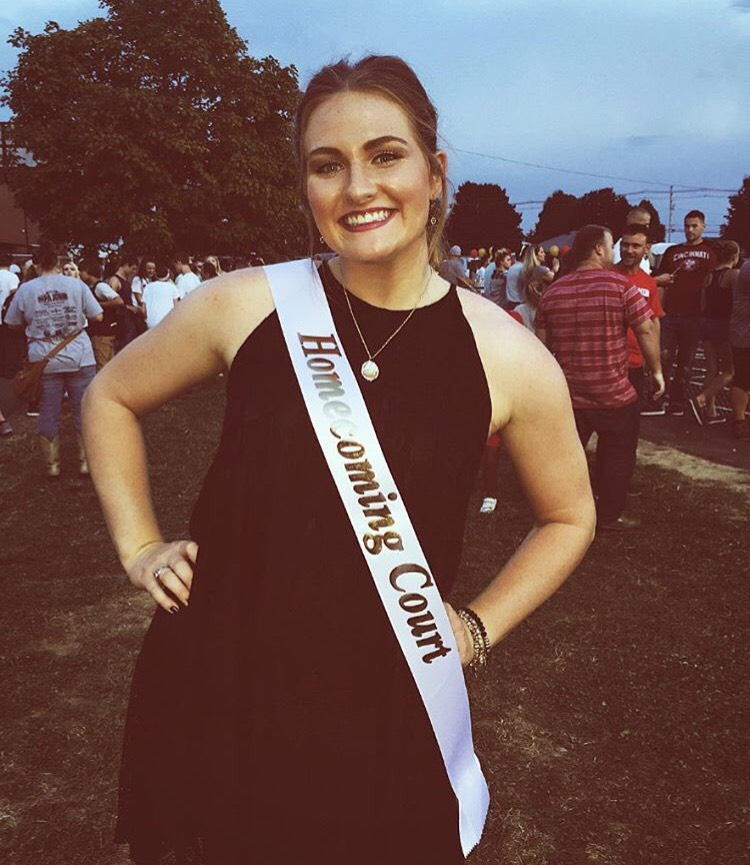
{"x": 273, "y": 718}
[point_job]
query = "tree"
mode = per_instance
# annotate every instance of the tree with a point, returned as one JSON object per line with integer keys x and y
{"x": 559, "y": 215}
{"x": 482, "y": 216}
{"x": 737, "y": 225}
{"x": 153, "y": 126}
{"x": 603, "y": 207}
{"x": 657, "y": 231}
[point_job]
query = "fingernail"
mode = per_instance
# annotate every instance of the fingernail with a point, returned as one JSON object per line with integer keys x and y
{"x": 175, "y": 609}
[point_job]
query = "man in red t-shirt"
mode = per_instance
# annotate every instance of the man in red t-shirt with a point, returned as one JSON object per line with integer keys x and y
{"x": 583, "y": 318}
{"x": 634, "y": 246}
{"x": 682, "y": 270}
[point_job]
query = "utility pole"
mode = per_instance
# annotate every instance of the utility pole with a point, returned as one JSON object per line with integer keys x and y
{"x": 671, "y": 213}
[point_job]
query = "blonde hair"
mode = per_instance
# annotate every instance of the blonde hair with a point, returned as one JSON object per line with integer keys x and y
{"x": 394, "y": 79}
{"x": 532, "y": 293}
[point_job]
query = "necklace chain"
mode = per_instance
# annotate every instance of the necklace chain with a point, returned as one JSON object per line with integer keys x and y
{"x": 370, "y": 356}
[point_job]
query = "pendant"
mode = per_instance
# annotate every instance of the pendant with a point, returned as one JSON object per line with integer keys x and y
{"x": 370, "y": 370}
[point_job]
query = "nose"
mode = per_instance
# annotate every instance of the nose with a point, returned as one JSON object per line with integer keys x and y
{"x": 361, "y": 186}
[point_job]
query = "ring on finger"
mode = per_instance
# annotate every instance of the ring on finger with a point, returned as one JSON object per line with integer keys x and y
{"x": 158, "y": 571}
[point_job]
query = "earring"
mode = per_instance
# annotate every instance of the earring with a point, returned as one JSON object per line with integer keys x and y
{"x": 433, "y": 211}
{"x": 323, "y": 240}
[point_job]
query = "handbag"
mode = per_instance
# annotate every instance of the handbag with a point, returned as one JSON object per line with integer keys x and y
{"x": 27, "y": 382}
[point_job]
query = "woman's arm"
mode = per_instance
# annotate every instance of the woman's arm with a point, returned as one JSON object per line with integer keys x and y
{"x": 533, "y": 412}
{"x": 198, "y": 340}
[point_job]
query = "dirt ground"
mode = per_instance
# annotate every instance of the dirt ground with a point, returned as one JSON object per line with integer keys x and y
{"x": 609, "y": 723}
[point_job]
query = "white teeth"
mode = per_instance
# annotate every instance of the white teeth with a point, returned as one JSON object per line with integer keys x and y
{"x": 365, "y": 218}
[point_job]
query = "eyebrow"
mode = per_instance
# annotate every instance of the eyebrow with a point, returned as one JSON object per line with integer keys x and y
{"x": 369, "y": 145}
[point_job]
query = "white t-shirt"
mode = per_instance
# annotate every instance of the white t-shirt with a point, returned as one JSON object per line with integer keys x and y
{"x": 138, "y": 285}
{"x": 105, "y": 291}
{"x": 159, "y": 299}
{"x": 187, "y": 282}
{"x": 8, "y": 282}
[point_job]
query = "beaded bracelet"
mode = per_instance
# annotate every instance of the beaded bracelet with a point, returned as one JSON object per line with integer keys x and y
{"x": 478, "y": 637}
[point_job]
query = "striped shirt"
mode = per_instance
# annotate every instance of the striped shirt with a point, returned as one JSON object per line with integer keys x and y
{"x": 586, "y": 316}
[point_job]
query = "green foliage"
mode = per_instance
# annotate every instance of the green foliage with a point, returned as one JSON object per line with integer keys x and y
{"x": 603, "y": 207}
{"x": 658, "y": 231}
{"x": 737, "y": 226}
{"x": 559, "y": 215}
{"x": 563, "y": 213}
{"x": 482, "y": 216}
{"x": 153, "y": 126}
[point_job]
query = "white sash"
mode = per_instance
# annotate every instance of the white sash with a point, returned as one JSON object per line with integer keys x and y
{"x": 382, "y": 526}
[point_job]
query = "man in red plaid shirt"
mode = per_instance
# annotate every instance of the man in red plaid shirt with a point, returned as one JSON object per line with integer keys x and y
{"x": 583, "y": 318}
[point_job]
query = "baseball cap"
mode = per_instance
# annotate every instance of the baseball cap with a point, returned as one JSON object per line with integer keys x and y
{"x": 455, "y": 250}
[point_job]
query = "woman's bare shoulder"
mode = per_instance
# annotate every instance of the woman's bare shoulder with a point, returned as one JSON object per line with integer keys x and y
{"x": 234, "y": 305}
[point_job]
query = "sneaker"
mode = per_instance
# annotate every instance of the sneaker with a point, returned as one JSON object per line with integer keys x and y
{"x": 621, "y": 524}
{"x": 676, "y": 410}
{"x": 741, "y": 429}
{"x": 699, "y": 411}
{"x": 653, "y": 411}
{"x": 488, "y": 505}
{"x": 5, "y": 428}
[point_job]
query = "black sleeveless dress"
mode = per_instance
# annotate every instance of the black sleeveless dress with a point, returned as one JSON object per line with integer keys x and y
{"x": 275, "y": 721}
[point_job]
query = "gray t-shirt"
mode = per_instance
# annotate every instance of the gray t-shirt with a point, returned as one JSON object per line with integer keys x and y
{"x": 51, "y": 307}
{"x": 452, "y": 269}
{"x": 739, "y": 324}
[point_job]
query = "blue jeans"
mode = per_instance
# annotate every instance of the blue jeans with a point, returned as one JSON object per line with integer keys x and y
{"x": 54, "y": 385}
{"x": 679, "y": 340}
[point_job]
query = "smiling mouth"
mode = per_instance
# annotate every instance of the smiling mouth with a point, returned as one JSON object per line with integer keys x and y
{"x": 363, "y": 220}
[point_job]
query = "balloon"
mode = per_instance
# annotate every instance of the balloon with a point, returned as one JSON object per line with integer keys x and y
{"x": 565, "y": 250}
{"x": 482, "y": 252}
{"x": 473, "y": 253}
{"x": 554, "y": 251}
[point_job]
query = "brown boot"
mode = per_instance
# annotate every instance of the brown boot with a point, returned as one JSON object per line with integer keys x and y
{"x": 51, "y": 451}
{"x": 83, "y": 466}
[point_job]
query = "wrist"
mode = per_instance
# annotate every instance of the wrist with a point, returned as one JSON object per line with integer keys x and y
{"x": 129, "y": 555}
{"x": 478, "y": 637}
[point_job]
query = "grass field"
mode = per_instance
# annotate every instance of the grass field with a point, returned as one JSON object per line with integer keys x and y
{"x": 609, "y": 724}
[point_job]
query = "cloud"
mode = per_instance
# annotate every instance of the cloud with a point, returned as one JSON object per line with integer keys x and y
{"x": 741, "y": 5}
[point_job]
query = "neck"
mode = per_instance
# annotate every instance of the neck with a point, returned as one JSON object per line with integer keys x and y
{"x": 590, "y": 264}
{"x": 694, "y": 242}
{"x": 395, "y": 284}
{"x": 633, "y": 268}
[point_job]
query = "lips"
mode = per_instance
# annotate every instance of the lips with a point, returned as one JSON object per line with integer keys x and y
{"x": 366, "y": 220}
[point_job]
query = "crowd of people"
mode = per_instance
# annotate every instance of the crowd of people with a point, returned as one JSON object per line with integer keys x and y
{"x": 110, "y": 302}
{"x": 696, "y": 293}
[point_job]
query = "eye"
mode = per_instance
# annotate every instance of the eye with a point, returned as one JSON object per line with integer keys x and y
{"x": 329, "y": 167}
{"x": 386, "y": 157}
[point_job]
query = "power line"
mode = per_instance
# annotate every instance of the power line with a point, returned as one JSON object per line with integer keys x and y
{"x": 684, "y": 186}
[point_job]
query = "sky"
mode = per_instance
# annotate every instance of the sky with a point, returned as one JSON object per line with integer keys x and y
{"x": 652, "y": 92}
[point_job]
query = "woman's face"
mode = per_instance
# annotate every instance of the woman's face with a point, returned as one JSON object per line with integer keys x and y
{"x": 69, "y": 269}
{"x": 368, "y": 183}
{"x": 149, "y": 268}
{"x": 214, "y": 260}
